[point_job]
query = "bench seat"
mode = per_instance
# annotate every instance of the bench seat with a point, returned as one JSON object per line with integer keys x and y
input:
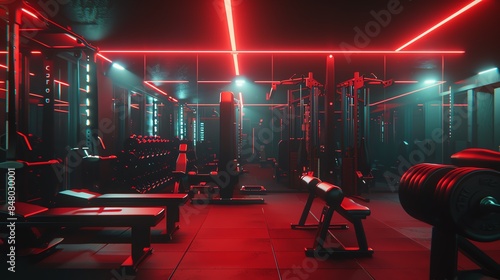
{"x": 170, "y": 201}
{"x": 139, "y": 219}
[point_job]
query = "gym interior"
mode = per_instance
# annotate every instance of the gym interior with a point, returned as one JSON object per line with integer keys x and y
{"x": 234, "y": 139}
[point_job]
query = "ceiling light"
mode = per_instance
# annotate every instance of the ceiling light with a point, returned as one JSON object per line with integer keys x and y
{"x": 486, "y": 71}
{"x": 117, "y": 66}
{"x": 239, "y": 82}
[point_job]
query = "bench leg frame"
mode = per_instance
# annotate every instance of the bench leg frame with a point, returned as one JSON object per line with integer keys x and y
{"x": 342, "y": 251}
{"x": 141, "y": 247}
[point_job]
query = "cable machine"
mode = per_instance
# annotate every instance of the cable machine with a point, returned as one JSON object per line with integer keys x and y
{"x": 355, "y": 114}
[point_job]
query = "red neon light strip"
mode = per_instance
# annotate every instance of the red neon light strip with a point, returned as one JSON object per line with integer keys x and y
{"x": 439, "y": 24}
{"x": 267, "y": 82}
{"x": 214, "y": 82}
{"x": 232, "y": 37}
{"x": 29, "y": 13}
{"x": 36, "y": 95}
{"x": 155, "y": 88}
{"x": 62, "y": 83}
{"x": 280, "y": 52}
{"x": 25, "y": 140}
{"x": 169, "y": 82}
{"x": 71, "y": 37}
{"x": 405, "y": 82}
{"x": 408, "y": 93}
{"x": 105, "y": 58}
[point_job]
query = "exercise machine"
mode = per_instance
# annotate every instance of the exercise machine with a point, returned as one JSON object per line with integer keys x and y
{"x": 355, "y": 164}
{"x": 226, "y": 176}
{"x": 300, "y": 153}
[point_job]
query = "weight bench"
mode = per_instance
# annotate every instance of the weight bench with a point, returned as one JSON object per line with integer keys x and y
{"x": 170, "y": 201}
{"x": 139, "y": 219}
{"x": 346, "y": 207}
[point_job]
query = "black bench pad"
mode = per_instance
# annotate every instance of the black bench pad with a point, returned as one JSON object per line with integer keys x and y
{"x": 170, "y": 201}
{"x": 140, "y": 219}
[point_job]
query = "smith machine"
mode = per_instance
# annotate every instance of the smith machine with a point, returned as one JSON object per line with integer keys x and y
{"x": 355, "y": 116}
{"x": 300, "y": 152}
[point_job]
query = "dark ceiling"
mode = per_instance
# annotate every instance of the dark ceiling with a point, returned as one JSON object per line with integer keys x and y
{"x": 200, "y": 25}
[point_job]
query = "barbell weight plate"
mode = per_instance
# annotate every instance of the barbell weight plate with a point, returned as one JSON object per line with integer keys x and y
{"x": 405, "y": 196}
{"x": 438, "y": 203}
{"x": 426, "y": 190}
{"x": 411, "y": 200}
{"x": 468, "y": 190}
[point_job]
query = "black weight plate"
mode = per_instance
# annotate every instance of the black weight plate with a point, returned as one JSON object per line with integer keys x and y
{"x": 414, "y": 189}
{"x": 406, "y": 196}
{"x": 447, "y": 190}
{"x": 464, "y": 201}
{"x": 428, "y": 187}
{"x": 439, "y": 205}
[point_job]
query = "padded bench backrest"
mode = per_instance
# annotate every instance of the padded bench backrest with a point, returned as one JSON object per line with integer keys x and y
{"x": 330, "y": 193}
{"x": 310, "y": 182}
{"x": 181, "y": 163}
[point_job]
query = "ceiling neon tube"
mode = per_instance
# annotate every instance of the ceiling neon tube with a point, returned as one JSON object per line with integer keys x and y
{"x": 439, "y": 24}
{"x": 232, "y": 37}
{"x": 407, "y": 93}
{"x": 169, "y": 82}
{"x": 280, "y": 52}
{"x": 155, "y": 88}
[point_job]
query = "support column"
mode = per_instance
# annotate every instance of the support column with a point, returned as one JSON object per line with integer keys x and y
{"x": 23, "y": 94}
{"x": 74, "y": 101}
{"x": 328, "y": 162}
{"x": 92, "y": 118}
{"x": 14, "y": 11}
{"x": 471, "y": 117}
{"x": 48, "y": 106}
{"x": 496, "y": 118}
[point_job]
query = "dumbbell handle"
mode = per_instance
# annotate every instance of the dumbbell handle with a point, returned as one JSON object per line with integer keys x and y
{"x": 490, "y": 204}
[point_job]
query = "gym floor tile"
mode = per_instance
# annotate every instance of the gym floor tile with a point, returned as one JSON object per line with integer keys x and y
{"x": 315, "y": 273}
{"x": 289, "y": 260}
{"x": 235, "y": 232}
{"x": 291, "y": 244}
{"x": 161, "y": 260}
{"x": 397, "y": 260}
{"x": 396, "y": 244}
{"x": 399, "y": 273}
{"x": 146, "y": 273}
{"x": 289, "y": 233}
{"x": 223, "y": 274}
{"x": 231, "y": 244}
{"x": 228, "y": 260}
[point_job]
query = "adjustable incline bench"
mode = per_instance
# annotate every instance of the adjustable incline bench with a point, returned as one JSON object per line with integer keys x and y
{"x": 139, "y": 219}
{"x": 170, "y": 201}
{"x": 346, "y": 207}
